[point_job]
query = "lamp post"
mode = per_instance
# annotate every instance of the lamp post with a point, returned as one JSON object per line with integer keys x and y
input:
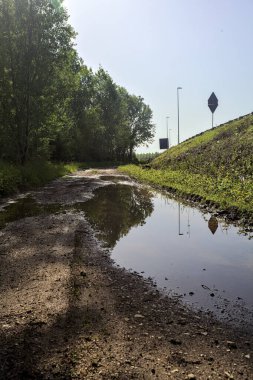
{"x": 169, "y": 138}
{"x": 178, "y": 88}
{"x": 179, "y": 219}
{"x": 167, "y": 125}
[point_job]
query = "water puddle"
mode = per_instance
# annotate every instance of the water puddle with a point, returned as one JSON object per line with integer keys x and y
{"x": 188, "y": 254}
{"x": 115, "y": 179}
{"x": 115, "y": 209}
{"x": 26, "y": 207}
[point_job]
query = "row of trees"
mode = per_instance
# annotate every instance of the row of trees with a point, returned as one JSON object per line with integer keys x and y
{"x": 146, "y": 157}
{"x": 51, "y": 104}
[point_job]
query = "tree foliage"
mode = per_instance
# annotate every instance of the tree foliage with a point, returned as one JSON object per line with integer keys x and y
{"x": 51, "y": 104}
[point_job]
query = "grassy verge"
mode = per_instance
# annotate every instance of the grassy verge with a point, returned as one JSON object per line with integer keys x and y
{"x": 225, "y": 151}
{"x": 225, "y": 192}
{"x": 14, "y": 178}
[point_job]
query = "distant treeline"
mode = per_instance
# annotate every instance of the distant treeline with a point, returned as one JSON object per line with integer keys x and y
{"x": 52, "y": 106}
{"x": 146, "y": 157}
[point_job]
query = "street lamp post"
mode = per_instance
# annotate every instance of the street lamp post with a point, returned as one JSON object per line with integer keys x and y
{"x": 167, "y": 125}
{"x": 178, "y": 88}
{"x": 169, "y": 138}
{"x": 179, "y": 219}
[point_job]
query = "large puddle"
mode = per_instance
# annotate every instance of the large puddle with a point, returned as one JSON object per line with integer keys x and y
{"x": 188, "y": 254}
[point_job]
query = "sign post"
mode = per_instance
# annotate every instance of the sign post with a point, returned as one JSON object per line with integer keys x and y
{"x": 212, "y": 104}
{"x": 165, "y": 143}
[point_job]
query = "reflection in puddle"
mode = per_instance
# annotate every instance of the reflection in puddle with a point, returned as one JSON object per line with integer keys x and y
{"x": 116, "y": 179}
{"x": 190, "y": 255}
{"x": 213, "y": 224}
{"x": 112, "y": 209}
{"x": 205, "y": 262}
{"x": 115, "y": 209}
{"x": 112, "y": 212}
{"x": 24, "y": 208}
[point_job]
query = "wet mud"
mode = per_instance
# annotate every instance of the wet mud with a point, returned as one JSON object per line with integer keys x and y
{"x": 68, "y": 312}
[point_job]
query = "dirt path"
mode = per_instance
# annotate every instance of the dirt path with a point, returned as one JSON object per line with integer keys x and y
{"x": 67, "y": 313}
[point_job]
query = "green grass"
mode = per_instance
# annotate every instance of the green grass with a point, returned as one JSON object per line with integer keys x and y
{"x": 16, "y": 177}
{"x": 222, "y": 151}
{"x": 224, "y": 191}
{"x": 216, "y": 166}
{"x": 33, "y": 174}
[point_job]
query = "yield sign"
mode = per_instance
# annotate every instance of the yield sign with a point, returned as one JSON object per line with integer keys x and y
{"x": 213, "y": 102}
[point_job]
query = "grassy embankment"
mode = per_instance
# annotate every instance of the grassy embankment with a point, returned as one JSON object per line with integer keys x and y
{"x": 215, "y": 166}
{"x": 14, "y": 177}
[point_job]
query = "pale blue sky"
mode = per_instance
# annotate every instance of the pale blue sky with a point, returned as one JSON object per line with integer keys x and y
{"x": 153, "y": 46}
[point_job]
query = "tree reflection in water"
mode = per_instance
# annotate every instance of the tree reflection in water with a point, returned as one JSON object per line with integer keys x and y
{"x": 115, "y": 209}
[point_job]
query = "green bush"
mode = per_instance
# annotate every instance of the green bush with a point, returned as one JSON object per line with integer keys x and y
{"x": 10, "y": 178}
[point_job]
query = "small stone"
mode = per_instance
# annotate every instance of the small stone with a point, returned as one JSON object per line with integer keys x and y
{"x": 204, "y": 333}
{"x": 191, "y": 293}
{"x": 229, "y": 375}
{"x": 231, "y": 344}
{"x": 138, "y": 316}
{"x": 191, "y": 376}
{"x": 174, "y": 370}
{"x": 247, "y": 356}
{"x": 6, "y": 326}
{"x": 211, "y": 294}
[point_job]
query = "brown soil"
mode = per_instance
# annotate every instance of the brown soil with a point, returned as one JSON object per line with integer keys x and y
{"x": 66, "y": 312}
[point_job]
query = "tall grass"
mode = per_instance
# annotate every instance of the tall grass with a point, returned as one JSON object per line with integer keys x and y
{"x": 15, "y": 177}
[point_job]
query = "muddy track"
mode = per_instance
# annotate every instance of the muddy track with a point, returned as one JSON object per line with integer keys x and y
{"x": 66, "y": 312}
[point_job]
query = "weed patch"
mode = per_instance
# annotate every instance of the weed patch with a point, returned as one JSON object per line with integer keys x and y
{"x": 14, "y": 177}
